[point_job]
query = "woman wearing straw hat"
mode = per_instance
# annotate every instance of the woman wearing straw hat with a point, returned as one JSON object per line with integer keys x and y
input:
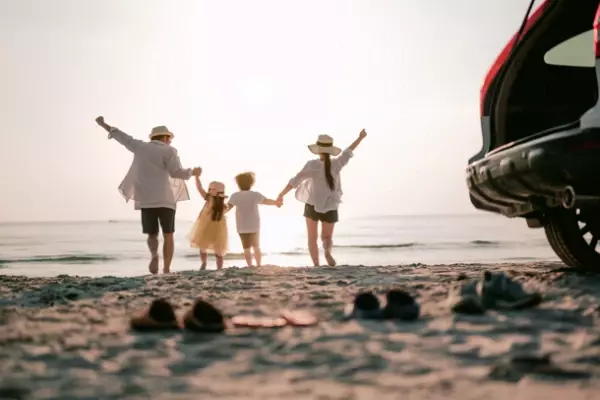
{"x": 318, "y": 186}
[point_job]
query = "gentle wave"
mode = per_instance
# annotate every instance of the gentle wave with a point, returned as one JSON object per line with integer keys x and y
{"x": 66, "y": 258}
{"x": 484, "y": 243}
{"x": 445, "y": 245}
{"x": 228, "y": 256}
{"x": 378, "y": 246}
{"x": 98, "y": 258}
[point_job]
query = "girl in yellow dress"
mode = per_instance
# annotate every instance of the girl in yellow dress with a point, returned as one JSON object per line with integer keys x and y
{"x": 209, "y": 232}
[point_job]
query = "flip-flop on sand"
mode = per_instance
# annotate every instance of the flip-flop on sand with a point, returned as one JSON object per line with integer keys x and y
{"x": 256, "y": 321}
{"x": 365, "y": 306}
{"x": 204, "y": 317}
{"x": 299, "y": 317}
{"x": 159, "y": 316}
{"x": 400, "y": 305}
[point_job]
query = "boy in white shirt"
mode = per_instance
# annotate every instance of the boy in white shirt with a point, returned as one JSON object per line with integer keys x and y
{"x": 247, "y": 216}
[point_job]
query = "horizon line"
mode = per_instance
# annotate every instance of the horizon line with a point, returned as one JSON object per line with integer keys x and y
{"x": 464, "y": 214}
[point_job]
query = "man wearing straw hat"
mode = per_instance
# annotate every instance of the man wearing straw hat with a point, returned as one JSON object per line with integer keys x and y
{"x": 155, "y": 182}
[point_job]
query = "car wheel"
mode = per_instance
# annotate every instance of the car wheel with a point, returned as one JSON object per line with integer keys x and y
{"x": 574, "y": 235}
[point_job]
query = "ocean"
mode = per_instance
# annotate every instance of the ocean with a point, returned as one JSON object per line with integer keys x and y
{"x": 118, "y": 248}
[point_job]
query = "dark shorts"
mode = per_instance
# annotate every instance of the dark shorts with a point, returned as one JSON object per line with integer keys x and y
{"x": 152, "y": 217}
{"x": 329, "y": 216}
{"x": 250, "y": 240}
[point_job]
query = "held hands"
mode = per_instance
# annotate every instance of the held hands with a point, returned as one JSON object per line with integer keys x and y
{"x": 279, "y": 201}
{"x": 196, "y": 172}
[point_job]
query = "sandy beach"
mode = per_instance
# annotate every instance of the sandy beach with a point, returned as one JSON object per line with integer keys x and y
{"x": 69, "y": 337}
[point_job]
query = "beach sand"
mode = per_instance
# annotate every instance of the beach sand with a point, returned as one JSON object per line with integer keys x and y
{"x": 68, "y": 338}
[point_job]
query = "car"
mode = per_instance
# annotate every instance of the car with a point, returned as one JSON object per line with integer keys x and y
{"x": 540, "y": 123}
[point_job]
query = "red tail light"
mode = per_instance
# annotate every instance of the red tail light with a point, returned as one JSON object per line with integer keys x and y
{"x": 596, "y": 26}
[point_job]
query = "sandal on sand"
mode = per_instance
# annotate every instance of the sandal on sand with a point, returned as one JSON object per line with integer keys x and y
{"x": 299, "y": 318}
{"x": 204, "y": 317}
{"x": 500, "y": 292}
{"x": 160, "y": 315}
{"x": 464, "y": 299}
{"x": 400, "y": 305}
{"x": 494, "y": 291}
{"x": 365, "y": 306}
{"x": 255, "y": 321}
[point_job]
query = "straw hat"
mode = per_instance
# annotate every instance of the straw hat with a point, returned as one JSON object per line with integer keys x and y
{"x": 325, "y": 145}
{"x": 160, "y": 131}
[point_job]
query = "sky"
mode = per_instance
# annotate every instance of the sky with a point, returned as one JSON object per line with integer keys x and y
{"x": 244, "y": 85}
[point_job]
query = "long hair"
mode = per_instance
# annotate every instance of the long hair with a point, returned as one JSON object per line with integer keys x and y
{"x": 328, "y": 176}
{"x": 218, "y": 206}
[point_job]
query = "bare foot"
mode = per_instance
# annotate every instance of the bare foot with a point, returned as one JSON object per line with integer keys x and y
{"x": 166, "y": 271}
{"x": 203, "y": 266}
{"x": 330, "y": 259}
{"x": 153, "y": 266}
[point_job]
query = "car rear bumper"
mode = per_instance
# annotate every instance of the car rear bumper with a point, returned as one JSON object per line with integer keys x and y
{"x": 530, "y": 177}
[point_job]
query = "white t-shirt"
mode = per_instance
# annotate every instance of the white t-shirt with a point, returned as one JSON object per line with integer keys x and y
{"x": 247, "y": 217}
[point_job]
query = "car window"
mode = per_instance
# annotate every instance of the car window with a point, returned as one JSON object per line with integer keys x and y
{"x": 577, "y": 51}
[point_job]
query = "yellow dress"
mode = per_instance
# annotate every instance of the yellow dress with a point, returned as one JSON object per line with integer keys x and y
{"x": 207, "y": 234}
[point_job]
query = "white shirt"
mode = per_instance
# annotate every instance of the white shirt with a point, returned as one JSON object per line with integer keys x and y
{"x": 247, "y": 217}
{"x": 312, "y": 186}
{"x": 155, "y": 178}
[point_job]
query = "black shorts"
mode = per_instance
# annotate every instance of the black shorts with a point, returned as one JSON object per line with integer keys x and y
{"x": 151, "y": 217}
{"x": 329, "y": 216}
{"x": 250, "y": 240}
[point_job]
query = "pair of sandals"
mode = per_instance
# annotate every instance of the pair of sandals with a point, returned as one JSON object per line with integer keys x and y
{"x": 400, "y": 305}
{"x": 206, "y": 318}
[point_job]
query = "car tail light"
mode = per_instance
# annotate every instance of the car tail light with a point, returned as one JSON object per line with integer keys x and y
{"x": 596, "y": 26}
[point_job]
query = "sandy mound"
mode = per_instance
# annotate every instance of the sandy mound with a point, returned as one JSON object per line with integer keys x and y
{"x": 68, "y": 337}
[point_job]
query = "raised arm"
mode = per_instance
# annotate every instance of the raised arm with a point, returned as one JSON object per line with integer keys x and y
{"x": 127, "y": 141}
{"x": 347, "y": 154}
{"x": 199, "y": 187}
{"x": 176, "y": 170}
{"x": 361, "y": 136}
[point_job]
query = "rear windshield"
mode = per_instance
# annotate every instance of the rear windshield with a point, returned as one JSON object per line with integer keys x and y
{"x": 577, "y": 51}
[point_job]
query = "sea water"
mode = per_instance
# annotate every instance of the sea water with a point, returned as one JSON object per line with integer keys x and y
{"x": 118, "y": 248}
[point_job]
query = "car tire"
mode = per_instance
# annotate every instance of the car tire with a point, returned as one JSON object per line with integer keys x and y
{"x": 566, "y": 230}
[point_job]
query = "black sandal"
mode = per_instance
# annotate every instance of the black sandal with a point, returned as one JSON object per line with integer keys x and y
{"x": 204, "y": 317}
{"x": 159, "y": 316}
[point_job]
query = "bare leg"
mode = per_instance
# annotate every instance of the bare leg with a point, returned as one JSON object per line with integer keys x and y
{"x": 248, "y": 256}
{"x": 257, "y": 255}
{"x": 327, "y": 239}
{"x": 219, "y": 261}
{"x": 153, "y": 247}
{"x": 168, "y": 250}
{"x": 312, "y": 234}
{"x": 203, "y": 258}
